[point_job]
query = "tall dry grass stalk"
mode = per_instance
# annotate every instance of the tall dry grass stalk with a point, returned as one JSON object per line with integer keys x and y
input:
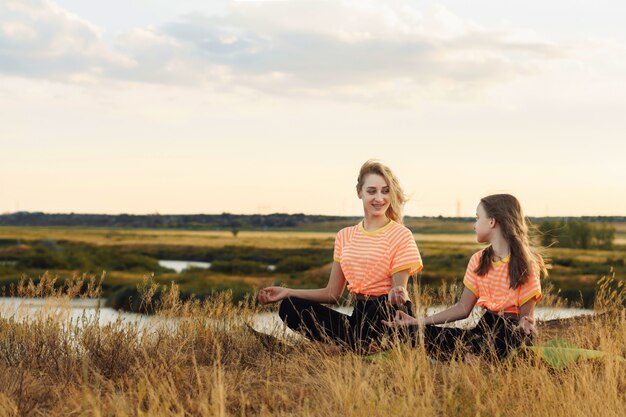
{"x": 205, "y": 362}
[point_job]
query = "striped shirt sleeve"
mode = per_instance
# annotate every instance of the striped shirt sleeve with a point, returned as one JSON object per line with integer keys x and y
{"x": 406, "y": 255}
{"x": 471, "y": 278}
{"x": 338, "y": 246}
{"x": 530, "y": 290}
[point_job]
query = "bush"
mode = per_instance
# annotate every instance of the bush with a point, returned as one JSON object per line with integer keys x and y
{"x": 41, "y": 257}
{"x": 238, "y": 266}
{"x": 47, "y": 255}
{"x": 298, "y": 263}
{"x": 576, "y": 234}
{"x": 129, "y": 298}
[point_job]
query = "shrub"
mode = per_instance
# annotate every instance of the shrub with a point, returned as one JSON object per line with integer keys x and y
{"x": 576, "y": 234}
{"x": 238, "y": 266}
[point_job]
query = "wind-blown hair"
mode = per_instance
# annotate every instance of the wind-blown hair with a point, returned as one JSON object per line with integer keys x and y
{"x": 524, "y": 258}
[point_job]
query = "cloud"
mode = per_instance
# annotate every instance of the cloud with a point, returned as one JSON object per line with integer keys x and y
{"x": 346, "y": 49}
{"x": 39, "y": 39}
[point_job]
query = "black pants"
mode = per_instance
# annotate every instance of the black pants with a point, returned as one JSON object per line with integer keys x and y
{"x": 356, "y": 331}
{"x": 493, "y": 338}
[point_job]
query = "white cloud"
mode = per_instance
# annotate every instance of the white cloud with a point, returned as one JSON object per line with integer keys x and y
{"x": 42, "y": 40}
{"x": 343, "y": 49}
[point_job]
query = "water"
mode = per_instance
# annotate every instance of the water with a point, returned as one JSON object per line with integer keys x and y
{"x": 180, "y": 266}
{"x": 79, "y": 310}
{"x": 65, "y": 310}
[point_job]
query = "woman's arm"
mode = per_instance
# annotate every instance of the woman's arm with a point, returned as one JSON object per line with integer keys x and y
{"x": 398, "y": 295}
{"x": 330, "y": 294}
{"x": 461, "y": 310}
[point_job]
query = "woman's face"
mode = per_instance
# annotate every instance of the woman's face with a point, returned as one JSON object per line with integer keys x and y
{"x": 375, "y": 195}
{"x": 483, "y": 225}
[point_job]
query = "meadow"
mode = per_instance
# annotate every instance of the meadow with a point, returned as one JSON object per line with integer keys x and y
{"x": 241, "y": 263}
{"x": 205, "y": 361}
{"x": 208, "y": 363}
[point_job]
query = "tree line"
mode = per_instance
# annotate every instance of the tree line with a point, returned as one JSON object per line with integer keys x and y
{"x": 223, "y": 221}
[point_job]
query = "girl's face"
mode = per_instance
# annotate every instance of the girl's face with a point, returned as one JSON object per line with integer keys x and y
{"x": 375, "y": 195}
{"x": 484, "y": 225}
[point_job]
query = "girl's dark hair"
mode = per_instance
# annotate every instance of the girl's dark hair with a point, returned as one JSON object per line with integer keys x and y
{"x": 524, "y": 258}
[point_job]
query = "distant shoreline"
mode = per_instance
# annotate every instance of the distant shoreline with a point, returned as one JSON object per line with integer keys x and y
{"x": 228, "y": 221}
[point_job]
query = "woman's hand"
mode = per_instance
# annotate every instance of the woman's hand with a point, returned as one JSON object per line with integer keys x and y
{"x": 273, "y": 294}
{"x": 526, "y": 325}
{"x": 398, "y": 296}
{"x": 402, "y": 319}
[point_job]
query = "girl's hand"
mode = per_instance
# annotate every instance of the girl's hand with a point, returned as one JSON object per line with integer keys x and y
{"x": 402, "y": 319}
{"x": 526, "y": 325}
{"x": 398, "y": 296}
{"x": 272, "y": 294}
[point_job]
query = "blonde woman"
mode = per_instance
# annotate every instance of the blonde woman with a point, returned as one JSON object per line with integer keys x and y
{"x": 374, "y": 258}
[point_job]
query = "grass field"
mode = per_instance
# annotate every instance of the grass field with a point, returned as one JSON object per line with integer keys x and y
{"x": 299, "y": 255}
{"x": 274, "y": 239}
{"x": 209, "y": 364}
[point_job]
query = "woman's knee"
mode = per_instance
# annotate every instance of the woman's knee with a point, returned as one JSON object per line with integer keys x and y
{"x": 290, "y": 307}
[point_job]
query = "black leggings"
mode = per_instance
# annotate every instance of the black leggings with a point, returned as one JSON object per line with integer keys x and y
{"x": 356, "y": 331}
{"x": 493, "y": 338}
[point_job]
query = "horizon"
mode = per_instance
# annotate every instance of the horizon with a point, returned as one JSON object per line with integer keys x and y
{"x": 293, "y": 214}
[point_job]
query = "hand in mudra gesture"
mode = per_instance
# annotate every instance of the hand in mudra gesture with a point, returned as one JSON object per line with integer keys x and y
{"x": 272, "y": 294}
{"x": 401, "y": 319}
{"x": 526, "y": 325}
{"x": 398, "y": 296}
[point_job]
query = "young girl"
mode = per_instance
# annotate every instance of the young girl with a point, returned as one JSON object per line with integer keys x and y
{"x": 503, "y": 278}
{"x": 375, "y": 258}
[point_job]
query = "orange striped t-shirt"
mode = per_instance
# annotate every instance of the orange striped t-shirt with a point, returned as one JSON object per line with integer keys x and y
{"x": 493, "y": 290}
{"x": 369, "y": 259}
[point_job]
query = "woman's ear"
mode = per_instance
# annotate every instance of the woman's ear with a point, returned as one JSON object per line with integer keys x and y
{"x": 358, "y": 193}
{"x": 492, "y": 222}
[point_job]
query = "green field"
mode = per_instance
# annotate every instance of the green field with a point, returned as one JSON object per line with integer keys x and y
{"x": 240, "y": 264}
{"x": 211, "y": 364}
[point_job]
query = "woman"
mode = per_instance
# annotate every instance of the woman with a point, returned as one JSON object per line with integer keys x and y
{"x": 374, "y": 258}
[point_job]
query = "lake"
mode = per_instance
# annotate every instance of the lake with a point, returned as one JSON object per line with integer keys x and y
{"x": 77, "y": 310}
{"x": 180, "y": 266}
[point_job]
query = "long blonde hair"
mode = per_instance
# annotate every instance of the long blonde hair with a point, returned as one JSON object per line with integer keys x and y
{"x": 397, "y": 196}
{"x": 525, "y": 259}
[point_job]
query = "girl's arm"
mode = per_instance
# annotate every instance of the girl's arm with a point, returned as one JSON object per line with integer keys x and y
{"x": 330, "y": 294}
{"x": 461, "y": 310}
{"x": 527, "y": 317}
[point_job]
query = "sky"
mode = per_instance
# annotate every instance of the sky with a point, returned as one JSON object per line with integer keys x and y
{"x": 263, "y": 106}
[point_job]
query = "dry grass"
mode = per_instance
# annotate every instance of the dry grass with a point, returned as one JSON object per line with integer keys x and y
{"x": 272, "y": 240}
{"x": 103, "y": 236}
{"x": 209, "y": 364}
